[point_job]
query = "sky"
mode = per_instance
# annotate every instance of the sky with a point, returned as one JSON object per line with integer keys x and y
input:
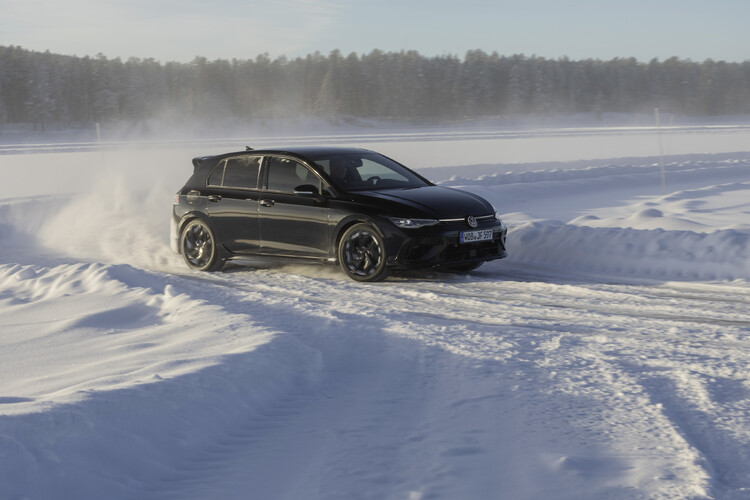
{"x": 180, "y": 30}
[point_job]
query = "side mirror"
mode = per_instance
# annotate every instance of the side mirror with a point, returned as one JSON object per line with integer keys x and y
{"x": 310, "y": 191}
{"x": 307, "y": 189}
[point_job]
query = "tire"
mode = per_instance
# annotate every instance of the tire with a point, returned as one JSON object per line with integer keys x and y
{"x": 198, "y": 247}
{"x": 362, "y": 254}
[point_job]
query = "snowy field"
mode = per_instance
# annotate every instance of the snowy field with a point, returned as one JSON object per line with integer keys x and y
{"x": 607, "y": 357}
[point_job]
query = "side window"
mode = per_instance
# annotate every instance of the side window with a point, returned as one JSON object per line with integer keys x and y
{"x": 370, "y": 168}
{"x": 217, "y": 175}
{"x": 242, "y": 172}
{"x": 325, "y": 165}
{"x": 284, "y": 175}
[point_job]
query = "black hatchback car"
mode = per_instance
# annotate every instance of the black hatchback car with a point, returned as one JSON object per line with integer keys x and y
{"x": 346, "y": 206}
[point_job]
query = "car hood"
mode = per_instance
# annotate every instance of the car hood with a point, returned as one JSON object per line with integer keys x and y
{"x": 433, "y": 201}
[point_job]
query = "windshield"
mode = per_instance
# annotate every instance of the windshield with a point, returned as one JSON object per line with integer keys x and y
{"x": 367, "y": 171}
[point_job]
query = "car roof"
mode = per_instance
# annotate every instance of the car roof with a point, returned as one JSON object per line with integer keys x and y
{"x": 302, "y": 151}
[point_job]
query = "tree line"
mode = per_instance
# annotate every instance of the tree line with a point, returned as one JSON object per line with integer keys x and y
{"x": 51, "y": 90}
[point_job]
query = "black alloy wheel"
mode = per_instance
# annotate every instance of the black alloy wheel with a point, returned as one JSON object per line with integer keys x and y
{"x": 199, "y": 248}
{"x": 362, "y": 254}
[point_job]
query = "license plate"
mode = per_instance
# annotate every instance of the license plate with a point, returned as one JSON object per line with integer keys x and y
{"x": 474, "y": 236}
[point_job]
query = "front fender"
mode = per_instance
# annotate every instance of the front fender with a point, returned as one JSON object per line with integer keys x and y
{"x": 392, "y": 236}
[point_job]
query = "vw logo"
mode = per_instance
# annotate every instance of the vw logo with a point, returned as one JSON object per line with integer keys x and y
{"x": 471, "y": 221}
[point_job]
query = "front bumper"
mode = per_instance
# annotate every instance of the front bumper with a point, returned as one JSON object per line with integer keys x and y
{"x": 438, "y": 246}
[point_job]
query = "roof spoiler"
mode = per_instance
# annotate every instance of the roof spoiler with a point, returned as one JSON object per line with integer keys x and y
{"x": 197, "y": 162}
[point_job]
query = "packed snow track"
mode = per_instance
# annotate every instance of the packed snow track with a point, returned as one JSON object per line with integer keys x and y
{"x": 606, "y": 358}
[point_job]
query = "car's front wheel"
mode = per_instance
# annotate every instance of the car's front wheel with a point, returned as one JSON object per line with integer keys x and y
{"x": 362, "y": 254}
{"x": 198, "y": 247}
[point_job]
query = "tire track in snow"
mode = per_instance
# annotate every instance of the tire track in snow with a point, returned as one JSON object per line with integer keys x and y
{"x": 724, "y": 460}
{"x": 550, "y": 330}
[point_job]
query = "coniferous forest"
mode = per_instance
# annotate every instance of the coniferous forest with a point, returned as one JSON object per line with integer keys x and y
{"x": 56, "y": 91}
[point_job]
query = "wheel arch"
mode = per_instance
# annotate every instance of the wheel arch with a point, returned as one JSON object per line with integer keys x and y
{"x": 350, "y": 221}
{"x": 364, "y": 262}
{"x": 219, "y": 257}
{"x": 186, "y": 219}
{"x": 190, "y": 216}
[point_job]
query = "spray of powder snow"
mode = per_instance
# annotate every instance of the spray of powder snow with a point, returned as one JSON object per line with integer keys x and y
{"x": 123, "y": 217}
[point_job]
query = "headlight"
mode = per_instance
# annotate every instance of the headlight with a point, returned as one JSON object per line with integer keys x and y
{"x": 497, "y": 217}
{"x": 409, "y": 223}
{"x": 497, "y": 213}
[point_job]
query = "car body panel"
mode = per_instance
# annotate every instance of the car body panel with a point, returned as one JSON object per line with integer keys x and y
{"x": 293, "y": 225}
{"x": 234, "y": 218}
{"x": 436, "y": 201}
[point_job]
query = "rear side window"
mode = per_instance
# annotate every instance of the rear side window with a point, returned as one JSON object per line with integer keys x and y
{"x": 239, "y": 172}
{"x": 242, "y": 172}
{"x": 217, "y": 175}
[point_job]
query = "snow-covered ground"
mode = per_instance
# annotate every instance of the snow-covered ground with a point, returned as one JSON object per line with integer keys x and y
{"x": 608, "y": 357}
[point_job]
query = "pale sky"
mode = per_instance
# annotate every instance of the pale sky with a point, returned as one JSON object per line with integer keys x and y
{"x": 180, "y": 30}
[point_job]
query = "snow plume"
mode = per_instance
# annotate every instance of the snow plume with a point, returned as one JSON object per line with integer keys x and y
{"x": 122, "y": 217}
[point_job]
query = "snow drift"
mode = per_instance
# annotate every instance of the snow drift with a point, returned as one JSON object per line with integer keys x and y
{"x": 656, "y": 253}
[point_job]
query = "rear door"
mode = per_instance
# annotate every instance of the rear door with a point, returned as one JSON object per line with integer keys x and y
{"x": 293, "y": 225}
{"x": 233, "y": 203}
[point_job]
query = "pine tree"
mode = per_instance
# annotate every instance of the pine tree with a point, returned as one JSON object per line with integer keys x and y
{"x": 43, "y": 89}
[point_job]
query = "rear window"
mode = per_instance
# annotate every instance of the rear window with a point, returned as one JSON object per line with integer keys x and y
{"x": 239, "y": 172}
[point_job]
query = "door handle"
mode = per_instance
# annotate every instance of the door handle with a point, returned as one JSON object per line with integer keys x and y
{"x": 214, "y": 197}
{"x": 267, "y": 203}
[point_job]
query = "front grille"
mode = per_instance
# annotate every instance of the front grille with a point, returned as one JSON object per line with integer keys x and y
{"x": 472, "y": 251}
{"x": 425, "y": 249}
{"x": 438, "y": 251}
{"x": 479, "y": 218}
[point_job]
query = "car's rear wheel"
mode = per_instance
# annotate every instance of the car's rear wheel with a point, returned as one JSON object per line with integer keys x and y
{"x": 198, "y": 247}
{"x": 362, "y": 254}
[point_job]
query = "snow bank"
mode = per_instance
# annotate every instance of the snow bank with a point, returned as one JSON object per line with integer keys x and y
{"x": 110, "y": 443}
{"x": 609, "y": 219}
{"x": 118, "y": 370}
{"x": 657, "y": 253}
